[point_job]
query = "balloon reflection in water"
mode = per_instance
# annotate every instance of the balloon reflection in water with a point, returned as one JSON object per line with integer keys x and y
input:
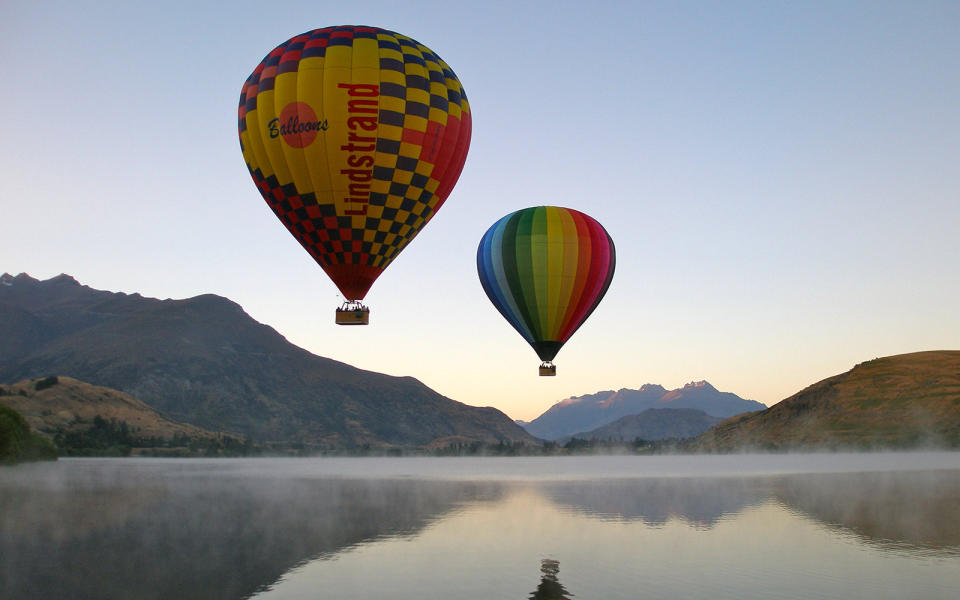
{"x": 550, "y": 587}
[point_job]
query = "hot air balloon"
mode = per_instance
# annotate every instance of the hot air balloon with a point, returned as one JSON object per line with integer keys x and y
{"x": 546, "y": 269}
{"x": 355, "y": 137}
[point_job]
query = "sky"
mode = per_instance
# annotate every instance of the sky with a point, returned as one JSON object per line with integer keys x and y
{"x": 780, "y": 179}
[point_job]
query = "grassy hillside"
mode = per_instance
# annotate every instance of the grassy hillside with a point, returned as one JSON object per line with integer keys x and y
{"x": 82, "y": 418}
{"x": 904, "y": 401}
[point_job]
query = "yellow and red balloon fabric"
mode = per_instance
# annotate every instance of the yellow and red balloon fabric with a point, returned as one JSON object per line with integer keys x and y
{"x": 546, "y": 269}
{"x": 355, "y": 137}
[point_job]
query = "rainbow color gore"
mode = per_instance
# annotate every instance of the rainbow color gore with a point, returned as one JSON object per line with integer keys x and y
{"x": 546, "y": 269}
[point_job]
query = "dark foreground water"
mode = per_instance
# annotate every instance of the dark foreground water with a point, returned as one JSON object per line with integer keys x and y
{"x": 595, "y": 528}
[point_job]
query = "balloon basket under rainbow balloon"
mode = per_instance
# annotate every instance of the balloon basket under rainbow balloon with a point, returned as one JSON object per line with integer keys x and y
{"x": 353, "y": 313}
{"x": 548, "y": 369}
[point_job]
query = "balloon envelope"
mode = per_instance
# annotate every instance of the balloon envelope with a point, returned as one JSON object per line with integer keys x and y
{"x": 355, "y": 137}
{"x": 546, "y": 269}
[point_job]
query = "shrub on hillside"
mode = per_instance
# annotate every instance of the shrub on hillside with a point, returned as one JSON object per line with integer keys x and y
{"x": 18, "y": 443}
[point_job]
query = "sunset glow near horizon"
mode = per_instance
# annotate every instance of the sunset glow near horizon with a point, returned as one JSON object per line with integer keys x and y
{"x": 780, "y": 181}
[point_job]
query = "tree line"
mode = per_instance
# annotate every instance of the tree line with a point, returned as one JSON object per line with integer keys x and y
{"x": 116, "y": 438}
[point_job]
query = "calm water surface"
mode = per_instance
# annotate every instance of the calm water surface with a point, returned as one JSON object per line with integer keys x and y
{"x": 592, "y": 528}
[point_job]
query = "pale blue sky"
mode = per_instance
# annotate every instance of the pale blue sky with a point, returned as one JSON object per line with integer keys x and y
{"x": 781, "y": 180}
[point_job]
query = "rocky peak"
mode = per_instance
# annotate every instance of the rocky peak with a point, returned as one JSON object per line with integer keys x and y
{"x": 63, "y": 279}
{"x": 653, "y": 387}
{"x": 9, "y": 280}
{"x": 24, "y": 279}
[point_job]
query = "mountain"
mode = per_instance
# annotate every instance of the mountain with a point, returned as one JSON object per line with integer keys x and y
{"x": 204, "y": 361}
{"x": 585, "y": 413}
{"x": 904, "y": 401}
{"x": 653, "y": 424}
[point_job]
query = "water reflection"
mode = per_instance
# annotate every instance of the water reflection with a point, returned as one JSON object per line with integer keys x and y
{"x": 220, "y": 529}
{"x": 124, "y": 534}
{"x": 655, "y": 501}
{"x": 550, "y": 587}
{"x": 906, "y": 511}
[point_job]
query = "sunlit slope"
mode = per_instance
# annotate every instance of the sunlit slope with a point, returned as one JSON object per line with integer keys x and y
{"x": 53, "y": 404}
{"x": 909, "y": 400}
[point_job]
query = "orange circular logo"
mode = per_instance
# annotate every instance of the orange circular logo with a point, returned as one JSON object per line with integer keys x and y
{"x": 297, "y": 124}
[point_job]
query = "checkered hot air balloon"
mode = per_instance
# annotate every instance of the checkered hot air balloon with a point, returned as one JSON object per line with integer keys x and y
{"x": 546, "y": 269}
{"x": 355, "y": 137}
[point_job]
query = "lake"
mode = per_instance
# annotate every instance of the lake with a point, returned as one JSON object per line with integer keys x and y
{"x": 800, "y": 526}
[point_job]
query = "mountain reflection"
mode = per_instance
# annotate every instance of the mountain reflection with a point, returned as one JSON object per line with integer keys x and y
{"x": 195, "y": 537}
{"x": 908, "y": 509}
{"x": 654, "y": 501}
{"x": 896, "y": 510}
{"x": 231, "y": 529}
{"x": 550, "y": 587}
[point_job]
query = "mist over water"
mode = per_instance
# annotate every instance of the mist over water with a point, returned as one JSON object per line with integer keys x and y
{"x": 737, "y": 526}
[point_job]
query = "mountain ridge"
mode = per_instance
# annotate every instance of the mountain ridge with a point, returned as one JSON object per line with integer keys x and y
{"x": 204, "y": 361}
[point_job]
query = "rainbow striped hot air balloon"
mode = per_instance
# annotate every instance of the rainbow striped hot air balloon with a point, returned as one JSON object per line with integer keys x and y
{"x": 355, "y": 137}
{"x": 546, "y": 269}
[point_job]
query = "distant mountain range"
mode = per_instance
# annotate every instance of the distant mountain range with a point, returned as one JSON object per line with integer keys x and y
{"x": 205, "y": 362}
{"x": 904, "y": 401}
{"x": 586, "y": 413}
